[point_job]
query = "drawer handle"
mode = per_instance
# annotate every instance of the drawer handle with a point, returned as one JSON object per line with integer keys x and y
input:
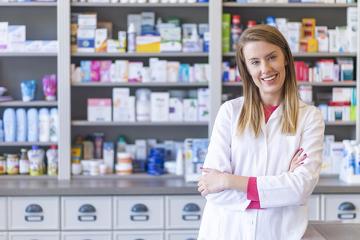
{"x": 139, "y": 239}
{"x": 137, "y": 208}
{"x": 346, "y": 215}
{"x": 33, "y": 208}
{"x": 88, "y": 212}
{"x": 191, "y": 207}
{"x": 34, "y": 218}
{"x": 191, "y": 217}
{"x": 87, "y": 218}
{"x": 87, "y": 208}
{"x": 190, "y": 239}
{"x": 139, "y": 218}
{"x": 347, "y": 206}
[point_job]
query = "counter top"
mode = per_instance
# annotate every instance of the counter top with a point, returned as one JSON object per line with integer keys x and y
{"x": 145, "y": 185}
{"x": 332, "y": 231}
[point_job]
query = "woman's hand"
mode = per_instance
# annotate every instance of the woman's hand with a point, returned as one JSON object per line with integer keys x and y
{"x": 297, "y": 160}
{"x": 213, "y": 181}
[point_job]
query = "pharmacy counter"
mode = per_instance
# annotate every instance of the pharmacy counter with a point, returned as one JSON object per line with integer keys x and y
{"x": 132, "y": 185}
{"x": 332, "y": 231}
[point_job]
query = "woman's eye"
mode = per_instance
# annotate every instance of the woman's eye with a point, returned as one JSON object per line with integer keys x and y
{"x": 254, "y": 62}
{"x": 272, "y": 57}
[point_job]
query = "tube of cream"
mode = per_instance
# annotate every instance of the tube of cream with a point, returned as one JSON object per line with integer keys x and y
{"x": 28, "y": 88}
{"x": 49, "y": 87}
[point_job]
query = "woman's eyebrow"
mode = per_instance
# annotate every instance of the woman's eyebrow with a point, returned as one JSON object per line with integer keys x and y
{"x": 267, "y": 55}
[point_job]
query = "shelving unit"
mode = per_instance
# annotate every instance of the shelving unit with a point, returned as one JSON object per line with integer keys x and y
{"x": 71, "y": 96}
{"x": 18, "y": 66}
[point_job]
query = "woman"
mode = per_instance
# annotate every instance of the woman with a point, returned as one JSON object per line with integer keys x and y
{"x": 265, "y": 151}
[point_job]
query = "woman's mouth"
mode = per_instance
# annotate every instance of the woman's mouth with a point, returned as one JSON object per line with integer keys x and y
{"x": 269, "y": 79}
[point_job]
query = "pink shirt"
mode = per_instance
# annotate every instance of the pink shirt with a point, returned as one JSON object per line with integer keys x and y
{"x": 252, "y": 190}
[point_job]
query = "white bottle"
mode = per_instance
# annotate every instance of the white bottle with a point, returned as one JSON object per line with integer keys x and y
{"x": 33, "y": 125}
{"x": 44, "y": 125}
{"x": 52, "y": 160}
{"x": 1, "y": 131}
{"x": 21, "y": 125}
{"x": 10, "y": 125}
{"x": 179, "y": 162}
{"x": 54, "y": 125}
{"x": 131, "y": 41}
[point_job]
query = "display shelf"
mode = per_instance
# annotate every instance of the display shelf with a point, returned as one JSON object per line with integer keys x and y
{"x": 135, "y": 85}
{"x": 289, "y": 5}
{"x": 27, "y": 54}
{"x": 28, "y": 4}
{"x": 141, "y": 5}
{"x": 27, "y": 177}
{"x": 140, "y": 176}
{"x": 340, "y": 123}
{"x": 85, "y": 123}
{"x": 314, "y": 84}
{"x": 309, "y": 55}
{"x": 28, "y": 104}
{"x": 26, "y": 144}
{"x": 132, "y": 55}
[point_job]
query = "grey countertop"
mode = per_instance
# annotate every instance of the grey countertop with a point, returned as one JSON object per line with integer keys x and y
{"x": 144, "y": 185}
{"x": 332, "y": 231}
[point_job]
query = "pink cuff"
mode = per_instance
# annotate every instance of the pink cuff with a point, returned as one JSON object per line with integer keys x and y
{"x": 252, "y": 191}
{"x": 254, "y": 205}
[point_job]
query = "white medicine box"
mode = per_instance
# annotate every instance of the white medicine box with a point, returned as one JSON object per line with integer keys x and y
{"x": 99, "y": 110}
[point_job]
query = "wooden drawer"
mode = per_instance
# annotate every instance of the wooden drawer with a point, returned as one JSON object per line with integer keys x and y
{"x": 86, "y": 213}
{"x": 33, "y": 213}
{"x": 139, "y": 212}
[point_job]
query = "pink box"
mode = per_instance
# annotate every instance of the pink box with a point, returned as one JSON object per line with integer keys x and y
{"x": 99, "y": 109}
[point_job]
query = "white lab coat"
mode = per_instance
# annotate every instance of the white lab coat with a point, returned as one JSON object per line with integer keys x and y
{"x": 283, "y": 195}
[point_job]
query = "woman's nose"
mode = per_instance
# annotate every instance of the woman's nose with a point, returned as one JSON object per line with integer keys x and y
{"x": 265, "y": 67}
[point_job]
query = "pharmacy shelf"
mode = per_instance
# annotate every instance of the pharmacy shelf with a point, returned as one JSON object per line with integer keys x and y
{"x": 28, "y": 104}
{"x": 28, "y": 4}
{"x": 167, "y": 54}
{"x": 289, "y": 5}
{"x": 141, "y": 5}
{"x": 84, "y": 123}
{"x": 340, "y": 123}
{"x": 308, "y": 55}
{"x": 314, "y": 84}
{"x": 26, "y": 144}
{"x": 139, "y": 176}
{"x": 27, "y": 54}
{"x": 27, "y": 177}
{"x": 135, "y": 85}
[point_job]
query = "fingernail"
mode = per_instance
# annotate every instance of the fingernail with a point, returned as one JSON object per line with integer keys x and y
{"x": 302, "y": 163}
{"x": 305, "y": 155}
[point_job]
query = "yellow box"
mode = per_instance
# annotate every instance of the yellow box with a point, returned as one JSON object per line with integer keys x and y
{"x": 148, "y": 44}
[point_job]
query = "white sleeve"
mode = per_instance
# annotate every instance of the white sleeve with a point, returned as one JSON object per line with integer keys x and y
{"x": 294, "y": 188}
{"x": 219, "y": 157}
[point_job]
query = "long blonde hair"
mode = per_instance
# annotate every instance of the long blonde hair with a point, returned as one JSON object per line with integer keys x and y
{"x": 252, "y": 111}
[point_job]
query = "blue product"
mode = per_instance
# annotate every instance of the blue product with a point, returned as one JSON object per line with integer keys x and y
{"x": 28, "y": 88}
{"x": 33, "y": 125}
{"x": 85, "y": 67}
{"x": 184, "y": 72}
{"x": 10, "y": 125}
{"x": 21, "y": 124}
{"x": 156, "y": 159}
{"x": 1, "y": 131}
{"x": 270, "y": 20}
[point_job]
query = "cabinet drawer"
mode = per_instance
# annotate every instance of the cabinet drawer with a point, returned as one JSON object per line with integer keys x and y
{"x": 3, "y": 215}
{"x": 184, "y": 211}
{"x": 345, "y": 207}
{"x": 81, "y": 213}
{"x": 139, "y": 212}
{"x": 34, "y": 236}
{"x": 314, "y": 208}
{"x": 139, "y": 235}
{"x": 181, "y": 235}
{"x": 86, "y": 236}
{"x": 3, "y": 236}
{"x": 33, "y": 213}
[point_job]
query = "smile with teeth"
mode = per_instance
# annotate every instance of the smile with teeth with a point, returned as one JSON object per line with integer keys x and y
{"x": 270, "y": 78}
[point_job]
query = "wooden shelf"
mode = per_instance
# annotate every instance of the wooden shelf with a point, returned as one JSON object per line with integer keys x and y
{"x": 168, "y": 54}
{"x": 27, "y": 54}
{"x": 308, "y": 55}
{"x": 141, "y": 5}
{"x": 84, "y": 123}
{"x": 28, "y": 4}
{"x": 153, "y": 85}
{"x": 300, "y": 83}
{"x": 28, "y": 104}
{"x": 26, "y": 144}
{"x": 289, "y": 5}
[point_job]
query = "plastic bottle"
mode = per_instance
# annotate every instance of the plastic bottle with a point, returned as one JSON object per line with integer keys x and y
{"x": 21, "y": 125}
{"x": 54, "y": 125}
{"x": 131, "y": 34}
{"x": 2, "y": 134}
{"x": 24, "y": 164}
{"x": 33, "y": 125}
{"x": 236, "y": 31}
{"x": 44, "y": 125}
{"x": 179, "y": 162}
{"x": 36, "y": 159}
{"x": 52, "y": 160}
{"x": 143, "y": 105}
{"x": 10, "y": 125}
{"x": 121, "y": 145}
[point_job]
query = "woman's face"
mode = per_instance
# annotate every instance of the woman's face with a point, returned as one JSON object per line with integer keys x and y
{"x": 266, "y": 65}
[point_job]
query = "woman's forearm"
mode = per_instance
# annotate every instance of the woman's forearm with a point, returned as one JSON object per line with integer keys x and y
{"x": 235, "y": 182}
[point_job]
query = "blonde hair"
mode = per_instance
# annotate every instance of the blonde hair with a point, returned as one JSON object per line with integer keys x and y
{"x": 252, "y": 112}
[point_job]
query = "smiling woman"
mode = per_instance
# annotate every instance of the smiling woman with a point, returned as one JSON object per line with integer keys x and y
{"x": 265, "y": 151}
